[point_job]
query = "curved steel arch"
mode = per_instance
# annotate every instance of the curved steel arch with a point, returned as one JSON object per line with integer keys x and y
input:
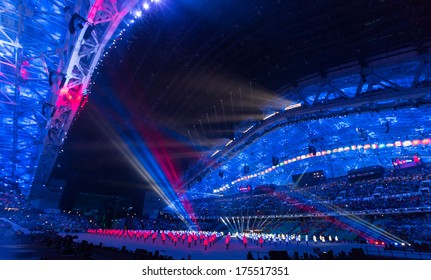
{"x": 49, "y": 50}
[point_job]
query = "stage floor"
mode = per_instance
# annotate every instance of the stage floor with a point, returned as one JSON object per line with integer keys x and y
{"x": 25, "y": 248}
{"x": 237, "y": 251}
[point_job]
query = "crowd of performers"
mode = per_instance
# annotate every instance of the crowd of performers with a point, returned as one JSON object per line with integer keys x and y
{"x": 283, "y": 239}
{"x": 207, "y": 239}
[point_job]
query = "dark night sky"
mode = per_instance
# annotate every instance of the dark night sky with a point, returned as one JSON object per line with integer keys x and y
{"x": 186, "y": 59}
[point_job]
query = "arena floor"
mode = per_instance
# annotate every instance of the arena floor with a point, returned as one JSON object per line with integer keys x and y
{"x": 237, "y": 251}
{"x": 26, "y": 249}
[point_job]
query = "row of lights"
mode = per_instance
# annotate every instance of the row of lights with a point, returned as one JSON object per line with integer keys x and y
{"x": 136, "y": 14}
{"x": 397, "y": 144}
{"x": 146, "y": 6}
{"x": 289, "y": 107}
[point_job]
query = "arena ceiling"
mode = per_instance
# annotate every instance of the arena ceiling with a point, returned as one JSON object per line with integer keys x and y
{"x": 201, "y": 71}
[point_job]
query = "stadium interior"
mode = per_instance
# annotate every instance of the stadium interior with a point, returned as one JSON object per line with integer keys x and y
{"x": 252, "y": 130}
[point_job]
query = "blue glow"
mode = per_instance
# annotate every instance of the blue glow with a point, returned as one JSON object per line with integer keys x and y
{"x": 295, "y": 156}
{"x": 46, "y": 31}
{"x": 142, "y": 159}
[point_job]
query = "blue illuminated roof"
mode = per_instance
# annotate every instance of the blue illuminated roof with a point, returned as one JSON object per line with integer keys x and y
{"x": 43, "y": 79}
{"x": 352, "y": 119}
{"x": 28, "y": 54}
{"x": 324, "y": 110}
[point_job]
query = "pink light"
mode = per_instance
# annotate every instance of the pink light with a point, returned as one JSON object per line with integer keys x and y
{"x": 93, "y": 10}
{"x": 23, "y": 73}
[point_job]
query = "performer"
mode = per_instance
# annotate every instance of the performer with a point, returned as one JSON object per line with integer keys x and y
{"x": 189, "y": 240}
{"x": 206, "y": 243}
{"x": 227, "y": 241}
{"x": 163, "y": 237}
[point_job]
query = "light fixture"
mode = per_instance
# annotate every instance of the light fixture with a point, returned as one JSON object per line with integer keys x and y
{"x": 138, "y": 13}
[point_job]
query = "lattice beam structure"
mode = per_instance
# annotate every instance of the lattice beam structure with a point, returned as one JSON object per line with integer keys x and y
{"x": 48, "y": 52}
{"x": 32, "y": 34}
{"x": 394, "y": 81}
{"x": 91, "y": 33}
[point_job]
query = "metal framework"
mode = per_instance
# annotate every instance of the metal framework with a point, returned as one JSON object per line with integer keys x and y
{"x": 353, "y": 92}
{"x": 48, "y": 52}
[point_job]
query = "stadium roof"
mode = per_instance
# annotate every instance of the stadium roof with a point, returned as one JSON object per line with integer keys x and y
{"x": 194, "y": 70}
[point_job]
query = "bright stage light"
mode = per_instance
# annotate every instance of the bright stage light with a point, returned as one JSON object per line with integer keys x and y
{"x": 138, "y": 14}
{"x": 146, "y": 6}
